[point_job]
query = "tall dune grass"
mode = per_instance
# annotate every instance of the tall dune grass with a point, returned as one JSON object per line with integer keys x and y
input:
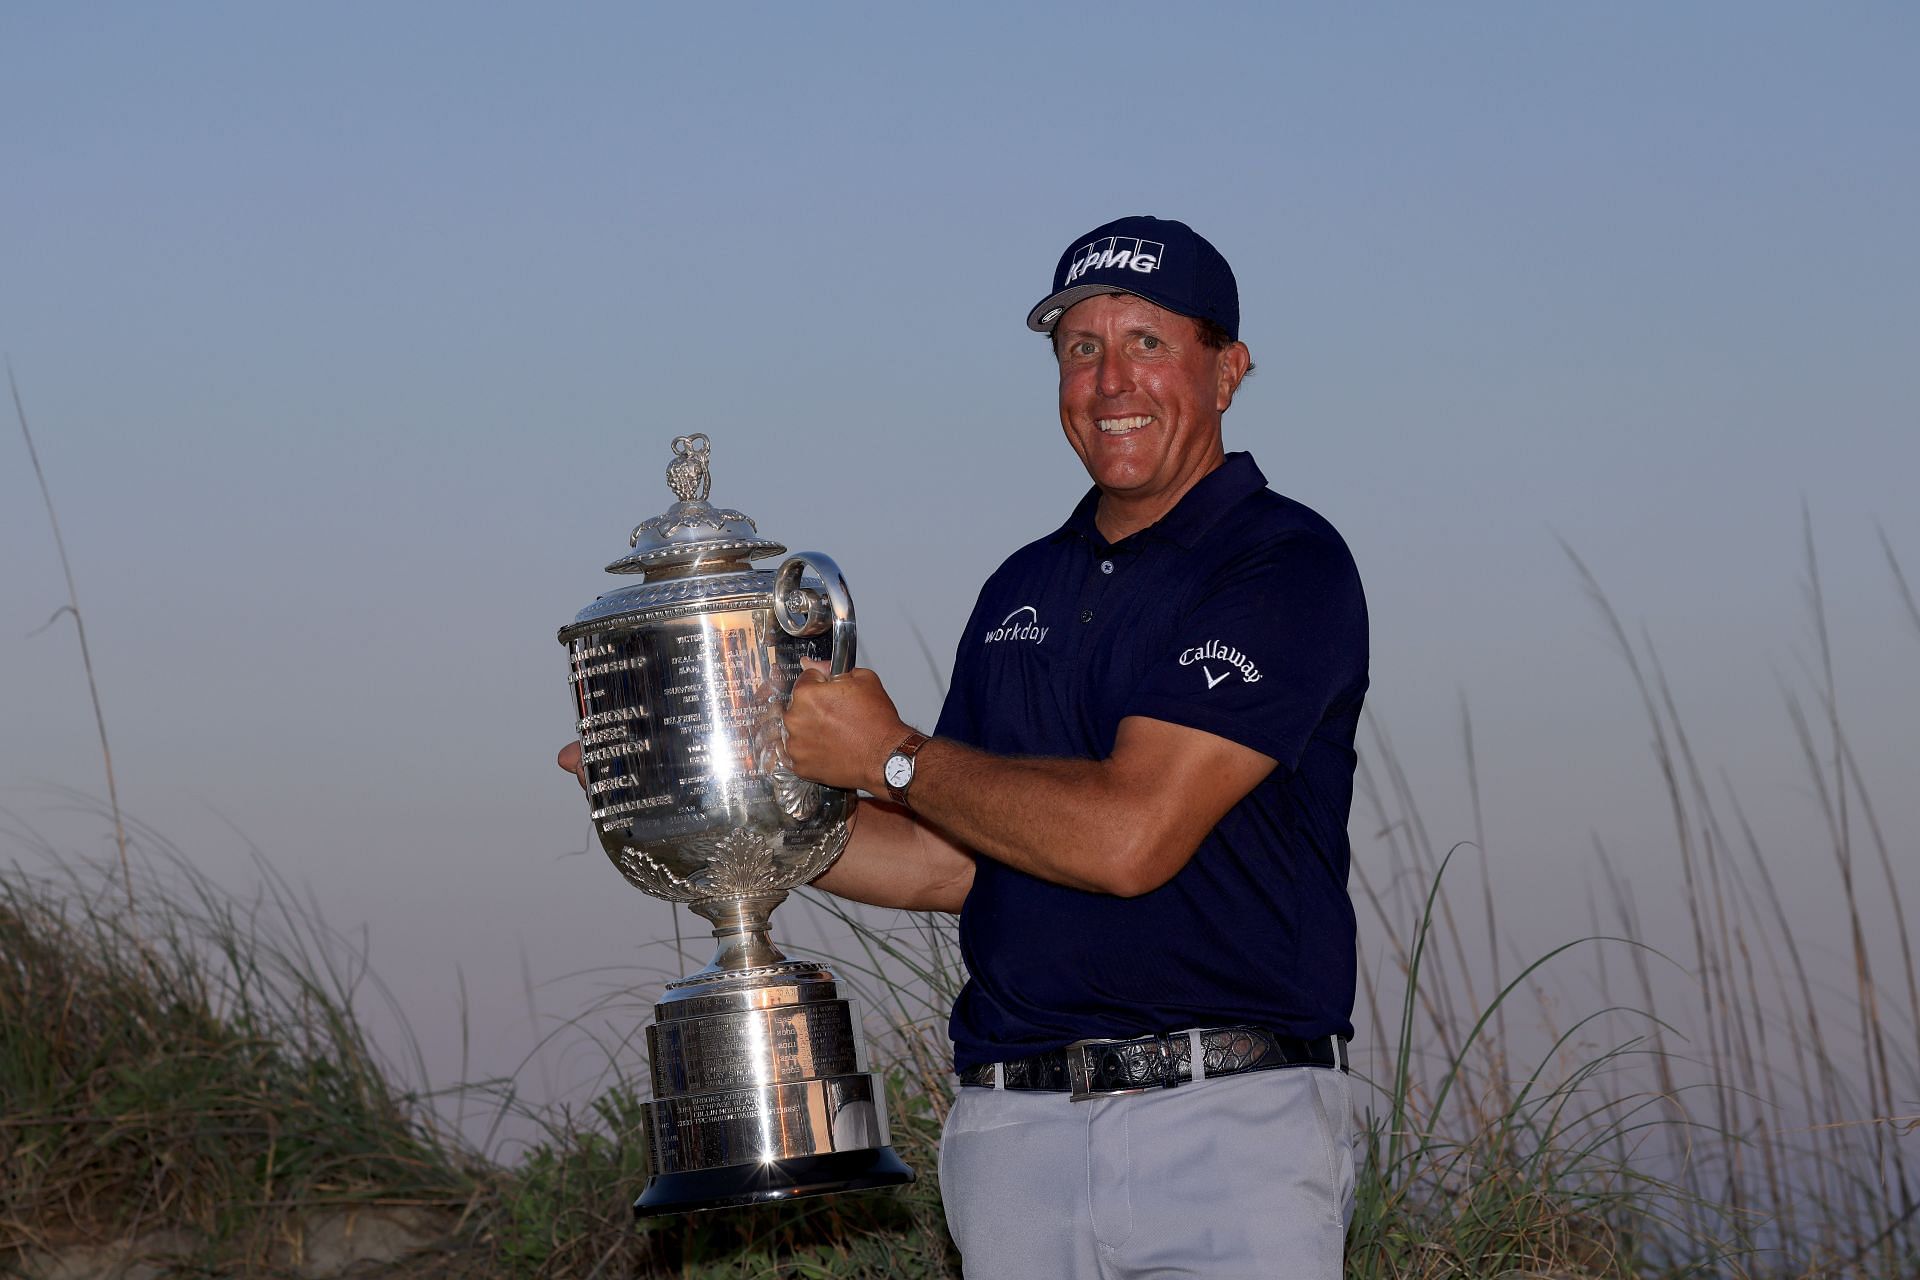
{"x": 200, "y": 1062}
{"x": 1761, "y": 1127}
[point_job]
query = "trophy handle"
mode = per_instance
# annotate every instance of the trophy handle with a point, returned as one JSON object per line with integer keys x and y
{"x": 803, "y": 611}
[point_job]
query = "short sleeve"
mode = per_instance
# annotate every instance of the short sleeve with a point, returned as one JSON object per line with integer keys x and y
{"x": 957, "y": 721}
{"x": 1274, "y": 640}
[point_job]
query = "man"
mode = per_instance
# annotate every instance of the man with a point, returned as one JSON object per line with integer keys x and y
{"x": 1136, "y": 800}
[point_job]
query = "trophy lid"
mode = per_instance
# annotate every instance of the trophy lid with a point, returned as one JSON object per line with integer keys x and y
{"x": 693, "y": 533}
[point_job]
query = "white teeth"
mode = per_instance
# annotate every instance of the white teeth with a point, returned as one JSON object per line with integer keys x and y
{"x": 1120, "y": 426}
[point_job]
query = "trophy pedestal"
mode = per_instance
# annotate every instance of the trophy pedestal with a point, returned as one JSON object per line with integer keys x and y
{"x": 761, "y": 1093}
{"x": 756, "y": 1183}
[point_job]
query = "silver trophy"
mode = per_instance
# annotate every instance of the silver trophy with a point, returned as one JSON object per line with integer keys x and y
{"x": 760, "y": 1084}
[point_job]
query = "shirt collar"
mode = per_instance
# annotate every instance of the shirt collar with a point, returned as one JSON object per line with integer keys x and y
{"x": 1198, "y": 510}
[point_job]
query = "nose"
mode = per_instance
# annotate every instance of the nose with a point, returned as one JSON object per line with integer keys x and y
{"x": 1115, "y": 378}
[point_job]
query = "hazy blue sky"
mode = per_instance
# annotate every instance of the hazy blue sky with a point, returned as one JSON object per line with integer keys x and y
{"x": 353, "y": 337}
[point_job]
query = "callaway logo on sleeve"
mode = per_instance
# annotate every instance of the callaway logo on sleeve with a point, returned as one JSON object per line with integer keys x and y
{"x": 1229, "y": 659}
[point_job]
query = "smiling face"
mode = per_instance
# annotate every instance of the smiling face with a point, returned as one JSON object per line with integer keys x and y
{"x": 1140, "y": 399}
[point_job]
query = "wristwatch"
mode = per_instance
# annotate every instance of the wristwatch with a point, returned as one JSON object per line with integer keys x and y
{"x": 898, "y": 770}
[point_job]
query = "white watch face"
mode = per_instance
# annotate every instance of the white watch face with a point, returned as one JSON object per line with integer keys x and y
{"x": 899, "y": 770}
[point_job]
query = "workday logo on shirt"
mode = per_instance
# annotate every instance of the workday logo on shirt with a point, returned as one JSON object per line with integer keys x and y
{"x": 1224, "y": 655}
{"x": 1022, "y": 624}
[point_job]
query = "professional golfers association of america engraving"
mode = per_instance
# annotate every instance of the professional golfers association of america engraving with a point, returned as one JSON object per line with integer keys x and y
{"x": 760, "y": 1084}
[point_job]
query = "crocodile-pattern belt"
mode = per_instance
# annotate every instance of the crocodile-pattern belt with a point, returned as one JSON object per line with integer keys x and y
{"x": 1095, "y": 1068}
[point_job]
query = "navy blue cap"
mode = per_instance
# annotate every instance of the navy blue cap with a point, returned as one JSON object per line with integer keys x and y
{"x": 1168, "y": 263}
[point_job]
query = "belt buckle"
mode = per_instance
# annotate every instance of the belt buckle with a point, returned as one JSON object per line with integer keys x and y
{"x": 1080, "y": 1067}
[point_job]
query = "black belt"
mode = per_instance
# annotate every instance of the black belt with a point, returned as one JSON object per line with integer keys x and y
{"x": 1092, "y": 1068}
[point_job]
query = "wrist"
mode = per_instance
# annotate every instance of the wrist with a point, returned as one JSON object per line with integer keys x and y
{"x": 900, "y": 766}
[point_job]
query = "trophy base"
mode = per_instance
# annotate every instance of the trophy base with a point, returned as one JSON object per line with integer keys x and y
{"x": 763, "y": 1182}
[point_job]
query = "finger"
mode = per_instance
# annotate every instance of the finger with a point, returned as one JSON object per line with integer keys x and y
{"x": 822, "y": 669}
{"x": 569, "y": 759}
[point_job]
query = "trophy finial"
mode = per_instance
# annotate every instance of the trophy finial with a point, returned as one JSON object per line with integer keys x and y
{"x": 692, "y": 531}
{"x": 687, "y": 474}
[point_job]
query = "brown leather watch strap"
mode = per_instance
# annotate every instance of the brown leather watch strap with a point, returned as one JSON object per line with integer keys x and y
{"x": 909, "y": 747}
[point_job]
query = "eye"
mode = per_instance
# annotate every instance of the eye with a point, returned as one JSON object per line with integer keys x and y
{"x": 1149, "y": 341}
{"x": 1084, "y": 347}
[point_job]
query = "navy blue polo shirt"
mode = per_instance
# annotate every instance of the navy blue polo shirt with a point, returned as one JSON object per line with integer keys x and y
{"x": 1240, "y": 613}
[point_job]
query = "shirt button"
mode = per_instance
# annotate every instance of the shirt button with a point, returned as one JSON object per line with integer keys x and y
{"x": 1106, "y": 566}
{"x": 1086, "y": 615}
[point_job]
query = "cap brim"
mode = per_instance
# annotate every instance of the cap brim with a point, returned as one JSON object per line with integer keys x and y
{"x": 1043, "y": 317}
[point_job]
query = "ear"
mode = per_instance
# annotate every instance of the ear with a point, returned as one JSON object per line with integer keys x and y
{"x": 1235, "y": 360}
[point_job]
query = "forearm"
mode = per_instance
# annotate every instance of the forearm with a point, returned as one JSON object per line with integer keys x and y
{"x": 1123, "y": 825}
{"x": 893, "y": 860}
{"x": 1064, "y": 821}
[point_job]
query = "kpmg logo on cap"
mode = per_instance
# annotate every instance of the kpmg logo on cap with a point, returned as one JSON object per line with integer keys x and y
{"x": 1113, "y": 254}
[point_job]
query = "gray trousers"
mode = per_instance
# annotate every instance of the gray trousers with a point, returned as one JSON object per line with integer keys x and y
{"x": 1232, "y": 1178}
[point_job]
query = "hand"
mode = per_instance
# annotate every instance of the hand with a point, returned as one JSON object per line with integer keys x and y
{"x": 570, "y": 761}
{"x": 841, "y": 729}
